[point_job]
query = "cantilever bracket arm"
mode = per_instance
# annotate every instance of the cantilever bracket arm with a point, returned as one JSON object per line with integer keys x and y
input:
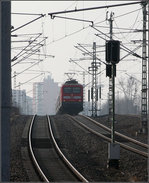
{"x": 28, "y": 23}
{"x": 69, "y": 18}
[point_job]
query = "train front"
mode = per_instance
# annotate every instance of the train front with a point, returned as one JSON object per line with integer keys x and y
{"x": 72, "y": 98}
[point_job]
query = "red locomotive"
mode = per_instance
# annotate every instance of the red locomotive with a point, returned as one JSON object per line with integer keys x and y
{"x": 70, "y": 100}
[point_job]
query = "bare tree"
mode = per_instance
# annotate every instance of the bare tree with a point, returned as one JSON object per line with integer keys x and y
{"x": 129, "y": 88}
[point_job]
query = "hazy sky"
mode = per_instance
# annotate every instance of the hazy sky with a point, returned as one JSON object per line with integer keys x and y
{"x": 63, "y": 35}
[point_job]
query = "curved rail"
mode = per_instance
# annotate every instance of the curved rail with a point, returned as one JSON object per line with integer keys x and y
{"x": 117, "y": 133}
{"x": 80, "y": 177}
{"x": 109, "y": 139}
{"x": 32, "y": 153}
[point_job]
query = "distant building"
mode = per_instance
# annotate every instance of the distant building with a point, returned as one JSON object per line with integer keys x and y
{"x": 29, "y": 105}
{"x": 44, "y": 96}
{"x": 51, "y": 92}
{"x": 38, "y": 98}
{"x": 21, "y": 101}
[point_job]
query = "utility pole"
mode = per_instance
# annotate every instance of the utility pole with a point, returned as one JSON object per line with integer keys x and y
{"x": 144, "y": 74}
{"x": 112, "y": 58}
{"x": 110, "y": 78}
{"x": 5, "y": 11}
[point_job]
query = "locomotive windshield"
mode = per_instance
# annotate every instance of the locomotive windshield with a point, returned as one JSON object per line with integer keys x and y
{"x": 67, "y": 90}
{"x": 76, "y": 90}
{"x": 72, "y": 90}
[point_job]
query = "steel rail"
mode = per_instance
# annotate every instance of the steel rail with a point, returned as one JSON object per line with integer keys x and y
{"x": 32, "y": 153}
{"x": 110, "y": 140}
{"x": 117, "y": 133}
{"x": 80, "y": 177}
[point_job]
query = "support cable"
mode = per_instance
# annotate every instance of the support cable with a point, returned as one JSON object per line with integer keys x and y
{"x": 27, "y": 23}
{"x": 91, "y": 54}
{"x": 37, "y": 50}
{"x": 73, "y": 19}
{"x": 26, "y": 69}
{"x": 30, "y": 42}
{"x": 30, "y": 54}
{"x": 30, "y": 49}
{"x": 122, "y": 46}
{"x": 29, "y": 80}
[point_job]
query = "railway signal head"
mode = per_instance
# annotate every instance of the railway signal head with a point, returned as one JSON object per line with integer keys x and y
{"x": 113, "y": 51}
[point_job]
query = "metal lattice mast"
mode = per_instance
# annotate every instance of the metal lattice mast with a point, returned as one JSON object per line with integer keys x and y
{"x": 94, "y": 82}
{"x": 144, "y": 74}
{"x": 94, "y": 91}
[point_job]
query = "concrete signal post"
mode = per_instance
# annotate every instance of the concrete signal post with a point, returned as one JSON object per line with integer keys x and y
{"x": 112, "y": 58}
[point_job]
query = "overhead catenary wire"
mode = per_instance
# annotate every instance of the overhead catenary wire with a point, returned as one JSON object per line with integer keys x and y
{"x": 89, "y": 53}
{"x": 122, "y": 15}
{"x": 30, "y": 49}
{"x": 132, "y": 50}
{"x": 94, "y": 26}
{"x": 122, "y": 28}
{"x": 27, "y": 23}
{"x": 26, "y": 69}
{"x": 29, "y": 34}
{"x": 37, "y": 50}
{"x": 132, "y": 27}
{"x": 30, "y": 42}
{"x": 122, "y": 46}
{"x": 64, "y": 37}
{"x": 30, "y": 54}
{"x": 29, "y": 80}
{"x": 71, "y": 60}
{"x": 82, "y": 29}
{"x": 126, "y": 49}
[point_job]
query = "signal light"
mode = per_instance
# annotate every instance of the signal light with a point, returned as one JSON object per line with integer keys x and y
{"x": 113, "y": 51}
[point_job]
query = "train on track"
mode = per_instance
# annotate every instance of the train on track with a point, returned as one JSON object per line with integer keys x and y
{"x": 70, "y": 99}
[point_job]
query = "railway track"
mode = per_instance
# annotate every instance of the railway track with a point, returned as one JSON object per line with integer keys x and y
{"x": 105, "y": 133}
{"x": 50, "y": 162}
